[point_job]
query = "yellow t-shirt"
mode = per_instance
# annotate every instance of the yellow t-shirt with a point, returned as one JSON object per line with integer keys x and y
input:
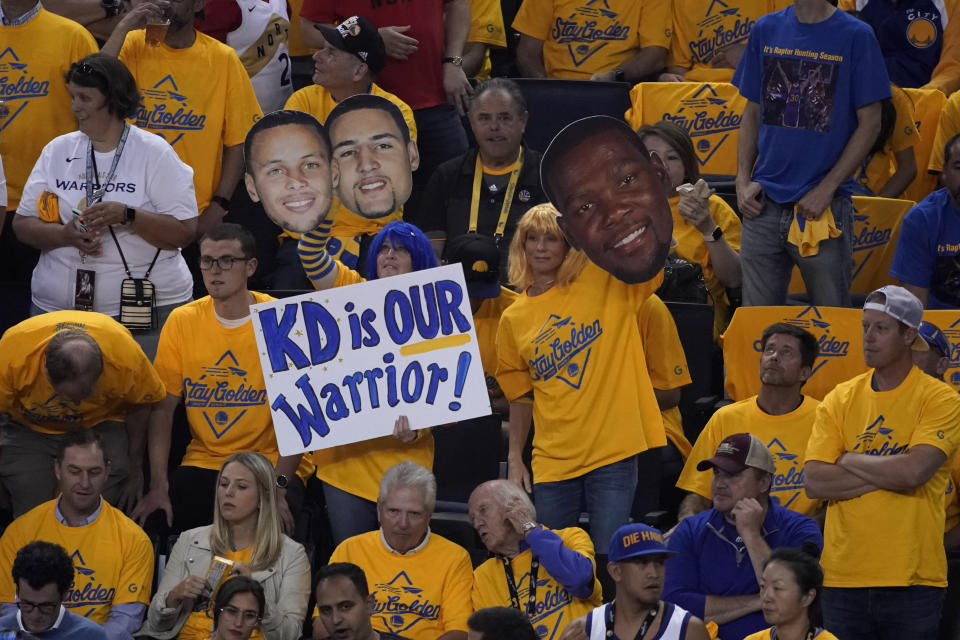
{"x": 710, "y": 113}
{"x": 486, "y": 26}
{"x": 485, "y": 322}
{"x": 555, "y": 607}
{"x": 767, "y": 634}
{"x": 26, "y": 394}
{"x": 580, "y": 41}
{"x": 666, "y": 363}
{"x": 357, "y": 468}
{"x": 886, "y": 538}
{"x": 112, "y": 557}
{"x": 579, "y": 349}
{"x": 36, "y": 55}
{"x": 948, "y": 126}
{"x": 420, "y": 595}
{"x": 786, "y": 436}
{"x": 295, "y": 44}
{"x": 702, "y": 28}
{"x": 318, "y": 102}
{"x": 952, "y": 504}
{"x": 692, "y": 248}
{"x": 199, "y": 624}
{"x": 199, "y": 99}
{"x": 881, "y": 166}
{"x": 216, "y": 371}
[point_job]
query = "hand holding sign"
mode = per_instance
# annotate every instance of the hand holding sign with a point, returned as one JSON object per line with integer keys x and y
{"x": 342, "y": 364}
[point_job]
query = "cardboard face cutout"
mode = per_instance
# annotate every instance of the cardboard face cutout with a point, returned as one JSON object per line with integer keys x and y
{"x": 611, "y": 197}
{"x": 374, "y": 154}
{"x": 289, "y": 169}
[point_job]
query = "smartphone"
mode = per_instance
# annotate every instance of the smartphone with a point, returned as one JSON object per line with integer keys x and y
{"x": 77, "y": 222}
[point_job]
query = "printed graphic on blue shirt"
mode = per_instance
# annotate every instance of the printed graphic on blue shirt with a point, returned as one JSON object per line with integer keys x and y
{"x": 798, "y": 92}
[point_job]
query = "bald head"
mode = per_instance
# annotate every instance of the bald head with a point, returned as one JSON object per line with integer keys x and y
{"x": 74, "y": 362}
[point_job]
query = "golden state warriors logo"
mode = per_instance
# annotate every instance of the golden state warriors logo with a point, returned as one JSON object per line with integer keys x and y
{"x": 921, "y": 33}
{"x": 562, "y": 349}
{"x": 224, "y": 393}
{"x": 400, "y": 605}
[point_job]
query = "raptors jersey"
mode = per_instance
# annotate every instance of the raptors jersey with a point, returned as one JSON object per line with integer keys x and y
{"x": 261, "y": 43}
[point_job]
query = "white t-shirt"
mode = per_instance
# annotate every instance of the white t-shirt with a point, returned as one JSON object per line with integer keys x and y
{"x": 149, "y": 176}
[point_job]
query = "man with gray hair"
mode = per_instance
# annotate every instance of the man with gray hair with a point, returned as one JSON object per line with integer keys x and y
{"x": 547, "y": 574}
{"x": 70, "y": 370}
{"x": 420, "y": 582}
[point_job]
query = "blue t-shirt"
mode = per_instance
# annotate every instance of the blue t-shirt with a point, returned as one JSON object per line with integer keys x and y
{"x": 712, "y": 560}
{"x": 910, "y": 33}
{"x": 928, "y": 250}
{"x": 809, "y": 80}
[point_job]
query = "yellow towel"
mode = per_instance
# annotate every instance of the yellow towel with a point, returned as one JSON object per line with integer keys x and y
{"x": 48, "y": 205}
{"x": 806, "y": 235}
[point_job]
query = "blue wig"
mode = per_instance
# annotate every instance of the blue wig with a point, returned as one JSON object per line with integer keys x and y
{"x": 406, "y": 235}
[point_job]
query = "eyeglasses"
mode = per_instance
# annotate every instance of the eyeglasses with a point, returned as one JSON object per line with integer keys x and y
{"x": 246, "y": 615}
{"x": 224, "y": 262}
{"x": 84, "y": 69}
{"x": 46, "y": 608}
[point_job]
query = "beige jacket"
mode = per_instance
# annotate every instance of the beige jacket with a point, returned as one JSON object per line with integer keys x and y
{"x": 286, "y": 586}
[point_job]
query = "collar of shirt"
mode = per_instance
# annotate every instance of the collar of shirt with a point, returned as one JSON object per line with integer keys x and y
{"x": 62, "y": 520}
{"x": 56, "y": 624}
{"x": 419, "y": 547}
{"x": 25, "y": 18}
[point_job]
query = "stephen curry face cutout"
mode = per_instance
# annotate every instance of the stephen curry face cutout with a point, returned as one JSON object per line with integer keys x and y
{"x": 611, "y": 197}
{"x": 364, "y": 153}
{"x": 289, "y": 170}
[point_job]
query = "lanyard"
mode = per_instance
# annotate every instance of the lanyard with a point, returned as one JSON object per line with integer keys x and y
{"x": 651, "y": 616}
{"x": 94, "y": 195}
{"x": 507, "y": 196}
{"x": 512, "y": 585}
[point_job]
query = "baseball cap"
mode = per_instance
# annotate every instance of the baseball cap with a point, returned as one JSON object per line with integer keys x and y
{"x": 480, "y": 258}
{"x": 739, "y": 451}
{"x": 358, "y": 36}
{"x": 932, "y": 335}
{"x": 632, "y": 540}
{"x": 900, "y": 305}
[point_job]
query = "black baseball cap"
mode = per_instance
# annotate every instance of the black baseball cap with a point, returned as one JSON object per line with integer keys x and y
{"x": 481, "y": 263}
{"x": 358, "y": 36}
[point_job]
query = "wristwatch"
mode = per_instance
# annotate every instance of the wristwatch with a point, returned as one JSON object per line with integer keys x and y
{"x": 714, "y": 235}
{"x": 456, "y": 61}
{"x": 619, "y": 75}
{"x": 112, "y": 7}
{"x": 282, "y": 481}
{"x": 527, "y": 527}
{"x": 129, "y": 215}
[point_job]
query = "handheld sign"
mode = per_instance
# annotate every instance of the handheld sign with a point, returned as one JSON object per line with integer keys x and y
{"x": 341, "y": 365}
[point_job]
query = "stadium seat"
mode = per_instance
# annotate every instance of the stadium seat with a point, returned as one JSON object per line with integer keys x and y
{"x": 553, "y": 104}
{"x": 695, "y": 328}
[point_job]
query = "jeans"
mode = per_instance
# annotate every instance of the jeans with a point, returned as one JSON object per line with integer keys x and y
{"x": 883, "y": 613}
{"x": 767, "y": 258}
{"x": 440, "y": 136}
{"x": 349, "y": 515}
{"x": 608, "y": 491}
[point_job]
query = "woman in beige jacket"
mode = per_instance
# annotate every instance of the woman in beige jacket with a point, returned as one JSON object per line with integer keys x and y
{"x": 246, "y": 532}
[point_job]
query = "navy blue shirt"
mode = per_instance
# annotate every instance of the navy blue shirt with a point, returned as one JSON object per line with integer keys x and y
{"x": 910, "y": 33}
{"x": 712, "y": 560}
{"x": 928, "y": 250}
{"x": 809, "y": 80}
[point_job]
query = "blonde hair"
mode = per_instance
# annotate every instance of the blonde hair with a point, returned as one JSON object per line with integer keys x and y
{"x": 268, "y": 538}
{"x": 541, "y": 219}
